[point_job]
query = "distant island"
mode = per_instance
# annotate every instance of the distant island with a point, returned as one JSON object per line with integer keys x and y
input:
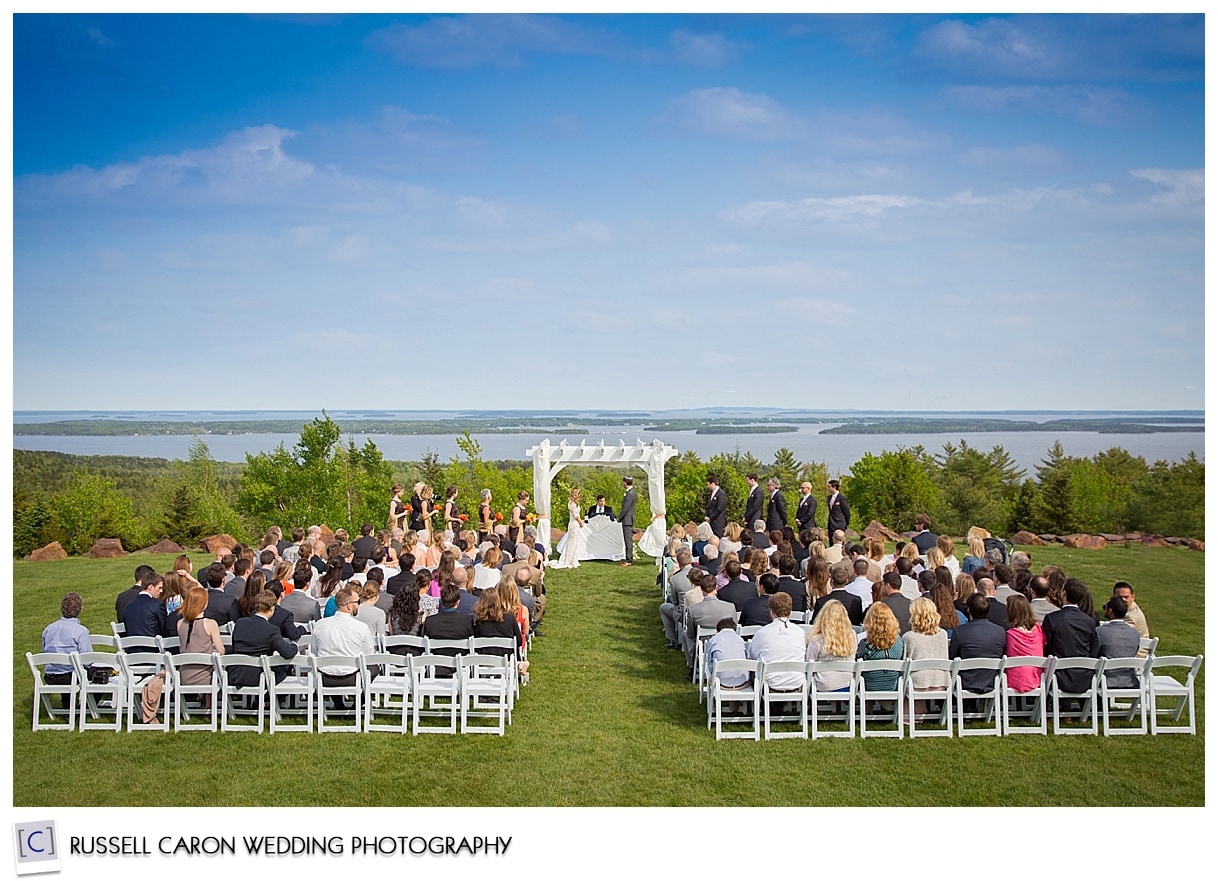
{"x": 706, "y": 422}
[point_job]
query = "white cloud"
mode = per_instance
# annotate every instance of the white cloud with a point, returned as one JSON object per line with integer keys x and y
{"x": 702, "y": 50}
{"x": 1093, "y": 105}
{"x": 730, "y": 113}
{"x": 1185, "y": 187}
{"x": 994, "y": 45}
{"x": 99, "y": 38}
{"x": 450, "y": 42}
{"x": 866, "y": 209}
{"x": 1021, "y": 158}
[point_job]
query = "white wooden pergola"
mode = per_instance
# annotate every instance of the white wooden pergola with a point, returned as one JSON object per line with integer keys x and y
{"x": 548, "y": 460}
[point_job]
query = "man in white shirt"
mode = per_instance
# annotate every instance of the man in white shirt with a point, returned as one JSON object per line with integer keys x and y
{"x": 780, "y": 640}
{"x": 861, "y": 586}
{"x": 342, "y": 634}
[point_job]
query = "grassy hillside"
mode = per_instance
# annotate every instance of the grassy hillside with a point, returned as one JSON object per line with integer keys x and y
{"x": 608, "y": 720}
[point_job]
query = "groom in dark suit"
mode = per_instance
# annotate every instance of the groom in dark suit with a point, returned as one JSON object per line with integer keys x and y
{"x": 627, "y": 518}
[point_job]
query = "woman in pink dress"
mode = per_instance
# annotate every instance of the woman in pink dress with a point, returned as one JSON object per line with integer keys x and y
{"x": 1024, "y": 640}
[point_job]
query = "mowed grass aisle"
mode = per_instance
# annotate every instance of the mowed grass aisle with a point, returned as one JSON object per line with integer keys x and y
{"x": 607, "y": 720}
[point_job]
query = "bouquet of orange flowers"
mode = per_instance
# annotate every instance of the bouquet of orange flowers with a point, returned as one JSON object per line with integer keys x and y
{"x": 462, "y": 517}
{"x": 529, "y": 518}
{"x": 498, "y": 517}
{"x": 409, "y": 509}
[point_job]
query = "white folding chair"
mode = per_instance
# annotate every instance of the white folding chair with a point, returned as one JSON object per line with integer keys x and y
{"x": 137, "y": 669}
{"x": 510, "y": 649}
{"x": 294, "y": 695}
{"x": 411, "y": 645}
{"x": 881, "y": 696}
{"x": 1147, "y": 645}
{"x": 104, "y": 642}
{"x": 97, "y": 698}
{"x": 235, "y": 699}
{"x": 748, "y": 631}
{"x": 1033, "y": 703}
{"x": 835, "y": 699}
{"x": 486, "y": 687}
{"x": 1122, "y": 668}
{"x": 43, "y": 692}
{"x": 450, "y": 648}
{"x": 388, "y": 693}
{"x": 337, "y": 693}
{"x": 208, "y": 691}
{"x": 748, "y": 695}
{"x": 1089, "y": 668}
{"x": 169, "y": 643}
{"x": 1168, "y": 686}
{"x": 798, "y": 695}
{"x": 117, "y": 629}
{"x": 434, "y": 695}
{"x": 942, "y": 694}
{"x": 141, "y": 644}
{"x": 701, "y": 673}
{"x": 989, "y": 712}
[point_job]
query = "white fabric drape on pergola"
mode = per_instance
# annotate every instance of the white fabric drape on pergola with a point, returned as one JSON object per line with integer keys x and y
{"x": 548, "y": 460}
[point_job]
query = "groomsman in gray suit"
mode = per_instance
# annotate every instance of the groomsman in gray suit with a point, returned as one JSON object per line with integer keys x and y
{"x": 627, "y": 517}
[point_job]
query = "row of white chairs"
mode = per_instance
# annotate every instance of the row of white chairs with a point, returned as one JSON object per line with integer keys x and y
{"x": 471, "y": 685}
{"x": 383, "y": 643}
{"x": 999, "y": 710}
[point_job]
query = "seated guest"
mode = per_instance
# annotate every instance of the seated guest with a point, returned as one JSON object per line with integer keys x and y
{"x": 257, "y": 636}
{"x": 756, "y": 610}
{"x": 490, "y": 621}
{"x": 405, "y": 618}
{"x": 816, "y": 581}
{"x": 221, "y": 607}
{"x": 978, "y": 637}
{"x": 891, "y": 596}
{"x": 760, "y": 538}
{"x": 145, "y": 615}
{"x": 702, "y": 536}
{"x": 1025, "y": 639}
{"x": 709, "y": 558}
{"x": 882, "y": 641}
{"x": 241, "y": 570}
{"x": 708, "y": 612}
{"x": 925, "y": 639}
{"x": 730, "y": 540}
{"x": 132, "y": 592}
{"x": 975, "y": 558}
{"x": 998, "y": 611}
{"x": 1118, "y": 640}
{"x": 448, "y": 623}
{"x": 197, "y": 634}
{"x": 509, "y": 598}
{"x": 726, "y": 645}
{"x": 738, "y": 590}
{"x": 1071, "y": 633}
{"x": 342, "y": 634}
{"x": 302, "y": 606}
{"x": 1041, "y": 605}
{"x": 835, "y": 552}
{"x": 832, "y": 639}
{"x": 790, "y": 585}
{"x": 780, "y": 640}
{"x": 1133, "y": 617}
{"x": 948, "y": 548}
{"x": 486, "y": 572}
{"x": 369, "y": 613}
{"x": 63, "y": 637}
{"x": 839, "y": 577}
{"x": 405, "y": 579}
{"x": 949, "y": 616}
{"x": 860, "y": 585}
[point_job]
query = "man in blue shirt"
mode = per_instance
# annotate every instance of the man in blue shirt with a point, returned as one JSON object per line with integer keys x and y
{"x": 65, "y": 636}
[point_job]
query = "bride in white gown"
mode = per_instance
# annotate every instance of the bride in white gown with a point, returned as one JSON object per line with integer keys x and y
{"x": 573, "y": 544}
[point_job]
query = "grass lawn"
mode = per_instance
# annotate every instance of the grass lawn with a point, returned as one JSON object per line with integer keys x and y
{"x": 607, "y": 720}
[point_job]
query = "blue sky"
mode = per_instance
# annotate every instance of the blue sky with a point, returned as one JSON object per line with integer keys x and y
{"x": 616, "y": 211}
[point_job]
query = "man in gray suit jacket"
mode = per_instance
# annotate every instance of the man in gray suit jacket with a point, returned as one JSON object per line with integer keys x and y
{"x": 707, "y": 613}
{"x": 627, "y": 518}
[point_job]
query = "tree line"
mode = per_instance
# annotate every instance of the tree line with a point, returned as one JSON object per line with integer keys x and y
{"x": 76, "y": 499}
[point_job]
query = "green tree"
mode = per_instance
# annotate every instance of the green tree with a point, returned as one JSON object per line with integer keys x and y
{"x": 1056, "y": 512}
{"x": 31, "y": 520}
{"x": 1025, "y": 510}
{"x": 976, "y": 488}
{"x": 685, "y": 488}
{"x": 892, "y": 487}
{"x": 92, "y": 508}
{"x": 1170, "y": 499}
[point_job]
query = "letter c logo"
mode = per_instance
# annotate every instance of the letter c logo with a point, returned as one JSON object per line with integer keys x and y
{"x": 29, "y": 841}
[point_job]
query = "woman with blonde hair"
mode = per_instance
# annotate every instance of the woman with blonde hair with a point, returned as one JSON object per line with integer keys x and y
{"x": 910, "y": 553}
{"x": 509, "y": 597}
{"x": 965, "y": 588}
{"x": 486, "y": 572}
{"x": 730, "y": 540}
{"x": 934, "y": 557}
{"x": 283, "y": 575}
{"x": 434, "y": 550}
{"x": 925, "y": 639}
{"x": 948, "y": 548}
{"x": 975, "y": 558}
{"x": 816, "y": 550}
{"x": 832, "y": 639}
{"x": 759, "y": 564}
{"x": 721, "y": 576}
{"x": 410, "y": 545}
{"x": 882, "y": 641}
